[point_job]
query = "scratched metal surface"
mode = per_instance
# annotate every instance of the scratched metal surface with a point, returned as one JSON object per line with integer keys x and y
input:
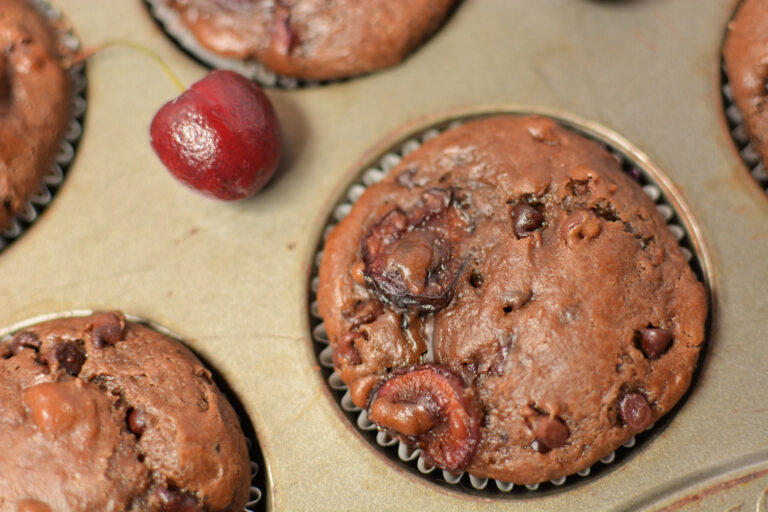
{"x": 231, "y": 279}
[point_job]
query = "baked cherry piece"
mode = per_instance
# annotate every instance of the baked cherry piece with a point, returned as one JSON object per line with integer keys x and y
{"x": 220, "y": 137}
{"x": 410, "y": 258}
{"x": 429, "y": 406}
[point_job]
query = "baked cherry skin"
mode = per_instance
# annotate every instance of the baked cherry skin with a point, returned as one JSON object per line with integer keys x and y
{"x": 220, "y": 137}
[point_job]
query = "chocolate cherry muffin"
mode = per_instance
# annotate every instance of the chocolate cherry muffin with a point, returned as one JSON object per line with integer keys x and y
{"x": 313, "y": 39}
{"x": 746, "y": 64}
{"x": 35, "y": 104}
{"x": 509, "y": 301}
{"x": 102, "y": 414}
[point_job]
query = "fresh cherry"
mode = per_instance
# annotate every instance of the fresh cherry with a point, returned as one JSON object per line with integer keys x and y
{"x": 220, "y": 137}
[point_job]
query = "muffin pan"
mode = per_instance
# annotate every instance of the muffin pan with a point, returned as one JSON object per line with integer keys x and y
{"x": 233, "y": 279}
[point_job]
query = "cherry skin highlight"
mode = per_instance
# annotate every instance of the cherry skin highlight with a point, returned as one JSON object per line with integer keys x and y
{"x": 221, "y": 137}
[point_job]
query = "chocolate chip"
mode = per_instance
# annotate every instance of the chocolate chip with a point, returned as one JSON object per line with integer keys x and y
{"x": 70, "y": 356}
{"x": 176, "y": 501}
{"x": 138, "y": 422}
{"x": 654, "y": 341}
{"x": 550, "y": 432}
{"x": 527, "y": 219}
{"x": 22, "y": 340}
{"x": 635, "y": 411}
{"x": 476, "y": 279}
{"x": 107, "y": 329}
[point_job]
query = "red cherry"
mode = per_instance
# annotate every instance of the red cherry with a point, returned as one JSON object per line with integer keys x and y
{"x": 220, "y": 137}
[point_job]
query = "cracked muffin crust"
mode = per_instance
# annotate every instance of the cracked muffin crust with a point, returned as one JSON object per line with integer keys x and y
{"x": 102, "y": 414}
{"x": 746, "y": 63}
{"x": 314, "y": 39}
{"x": 35, "y": 104}
{"x": 510, "y": 301}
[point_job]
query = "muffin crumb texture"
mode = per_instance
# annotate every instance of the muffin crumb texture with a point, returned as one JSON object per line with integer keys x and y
{"x": 103, "y": 414}
{"x": 508, "y": 300}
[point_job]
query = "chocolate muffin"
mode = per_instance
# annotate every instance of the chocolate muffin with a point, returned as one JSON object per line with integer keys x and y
{"x": 102, "y": 414}
{"x": 35, "y": 104}
{"x": 746, "y": 63}
{"x": 313, "y": 39}
{"x": 508, "y": 300}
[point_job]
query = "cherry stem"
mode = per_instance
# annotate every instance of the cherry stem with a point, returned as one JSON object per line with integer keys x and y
{"x": 127, "y": 43}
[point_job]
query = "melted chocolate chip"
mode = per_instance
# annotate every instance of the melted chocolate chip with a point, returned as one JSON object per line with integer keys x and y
{"x": 22, "y": 340}
{"x": 138, "y": 422}
{"x": 635, "y": 411}
{"x": 550, "y": 432}
{"x": 70, "y": 356}
{"x": 654, "y": 341}
{"x": 527, "y": 219}
{"x": 176, "y": 501}
{"x": 107, "y": 329}
{"x": 476, "y": 280}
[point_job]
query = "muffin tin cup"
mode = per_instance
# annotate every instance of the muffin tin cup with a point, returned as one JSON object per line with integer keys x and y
{"x": 174, "y": 27}
{"x": 53, "y": 179}
{"x": 674, "y": 215}
{"x": 255, "y": 501}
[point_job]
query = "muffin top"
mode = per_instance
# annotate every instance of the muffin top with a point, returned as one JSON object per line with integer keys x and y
{"x": 103, "y": 414}
{"x": 314, "y": 39}
{"x": 35, "y": 103}
{"x": 510, "y": 301}
{"x": 746, "y": 64}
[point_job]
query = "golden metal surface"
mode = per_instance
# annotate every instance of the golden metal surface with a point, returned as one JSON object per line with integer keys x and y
{"x": 231, "y": 279}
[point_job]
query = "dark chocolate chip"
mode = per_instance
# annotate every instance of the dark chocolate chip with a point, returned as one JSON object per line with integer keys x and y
{"x": 654, "y": 341}
{"x": 550, "y": 432}
{"x": 70, "y": 356}
{"x": 527, "y": 219}
{"x": 138, "y": 422}
{"x": 635, "y": 411}
{"x": 22, "y": 340}
{"x": 176, "y": 501}
{"x": 107, "y": 329}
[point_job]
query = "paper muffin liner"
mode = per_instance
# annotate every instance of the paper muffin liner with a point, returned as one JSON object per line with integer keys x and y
{"x": 413, "y": 458}
{"x": 255, "y": 502}
{"x": 740, "y": 134}
{"x": 175, "y": 28}
{"x": 53, "y": 179}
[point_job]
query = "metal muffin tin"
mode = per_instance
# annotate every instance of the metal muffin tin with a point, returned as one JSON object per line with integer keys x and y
{"x": 232, "y": 279}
